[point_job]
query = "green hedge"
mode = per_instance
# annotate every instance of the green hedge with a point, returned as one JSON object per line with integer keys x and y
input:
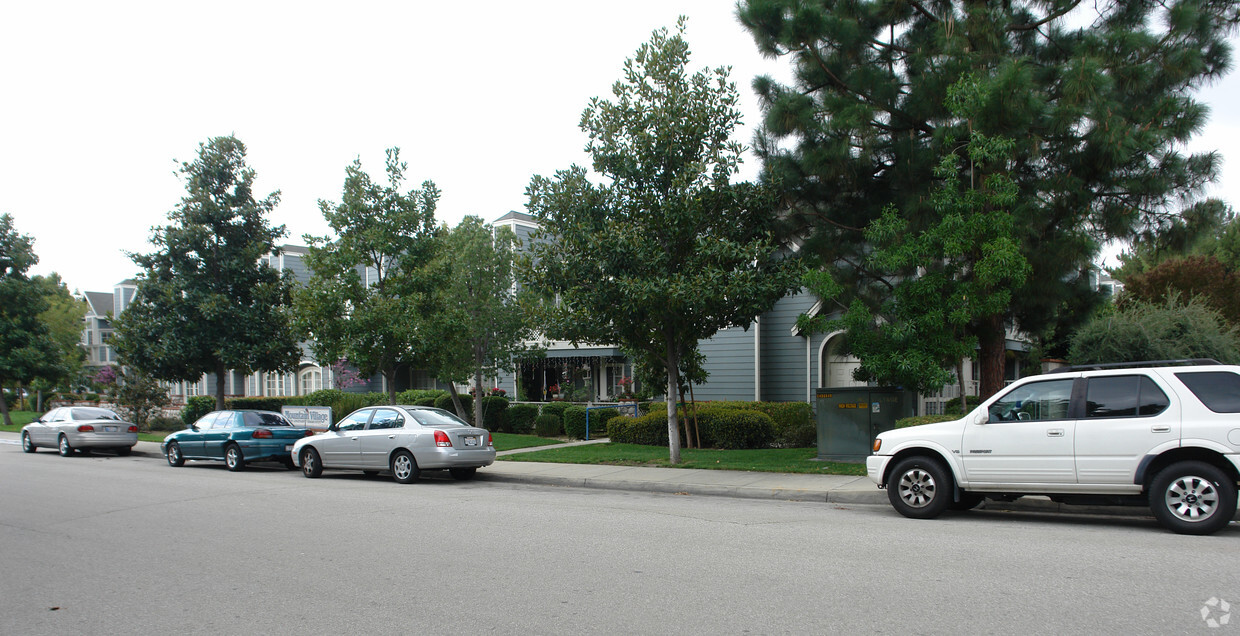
{"x": 575, "y": 422}
{"x": 445, "y": 402}
{"x": 599, "y": 418}
{"x": 556, "y": 408}
{"x": 196, "y": 407}
{"x": 521, "y": 417}
{"x": 918, "y": 420}
{"x": 495, "y": 413}
{"x": 793, "y": 421}
{"x": 548, "y": 426}
{"x": 412, "y": 396}
{"x": 258, "y": 403}
{"x": 649, "y": 429}
{"x": 732, "y": 429}
{"x": 425, "y": 401}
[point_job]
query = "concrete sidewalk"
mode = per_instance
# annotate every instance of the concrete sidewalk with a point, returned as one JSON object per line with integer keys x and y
{"x": 842, "y": 489}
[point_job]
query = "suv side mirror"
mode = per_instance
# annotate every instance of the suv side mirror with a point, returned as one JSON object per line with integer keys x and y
{"x": 980, "y": 418}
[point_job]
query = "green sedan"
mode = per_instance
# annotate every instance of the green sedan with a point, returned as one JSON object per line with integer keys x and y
{"x": 236, "y": 437}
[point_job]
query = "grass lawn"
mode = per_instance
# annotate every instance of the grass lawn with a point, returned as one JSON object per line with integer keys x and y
{"x": 511, "y": 441}
{"x": 20, "y": 419}
{"x": 769, "y": 460}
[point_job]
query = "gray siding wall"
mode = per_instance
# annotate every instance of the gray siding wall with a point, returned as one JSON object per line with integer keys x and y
{"x": 730, "y": 362}
{"x": 296, "y": 264}
{"x": 784, "y": 354}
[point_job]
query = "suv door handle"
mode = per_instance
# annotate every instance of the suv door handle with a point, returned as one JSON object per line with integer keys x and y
{"x": 1054, "y": 432}
{"x": 1160, "y": 428}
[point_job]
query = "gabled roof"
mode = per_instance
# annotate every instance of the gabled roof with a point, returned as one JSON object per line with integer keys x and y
{"x": 517, "y": 216}
{"x": 100, "y": 303}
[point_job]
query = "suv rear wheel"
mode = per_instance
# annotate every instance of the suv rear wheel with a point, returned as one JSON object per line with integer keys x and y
{"x": 1193, "y": 498}
{"x": 919, "y": 488}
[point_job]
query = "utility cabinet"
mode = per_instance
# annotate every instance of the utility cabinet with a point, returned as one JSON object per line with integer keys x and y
{"x": 850, "y": 417}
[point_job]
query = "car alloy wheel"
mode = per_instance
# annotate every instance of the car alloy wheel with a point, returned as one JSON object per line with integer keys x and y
{"x": 175, "y": 458}
{"x": 1193, "y": 497}
{"x": 64, "y": 447}
{"x": 404, "y": 467}
{"x": 920, "y": 487}
{"x": 310, "y": 464}
{"x": 233, "y": 458}
{"x": 28, "y": 445}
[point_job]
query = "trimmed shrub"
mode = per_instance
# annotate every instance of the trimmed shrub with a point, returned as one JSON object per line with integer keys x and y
{"x": 322, "y": 397}
{"x": 257, "y": 403}
{"x": 598, "y": 420}
{"x": 794, "y": 421}
{"x": 521, "y": 417}
{"x": 163, "y": 423}
{"x": 918, "y": 420}
{"x": 495, "y": 413}
{"x": 413, "y": 395}
{"x": 445, "y": 402}
{"x": 196, "y": 407}
{"x": 575, "y": 422}
{"x": 735, "y": 429}
{"x": 648, "y": 430}
{"x": 548, "y": 426}
{"x": 555, "y": 408}
{"x": 425, "y": 401}
{"x": 346, "y": 403}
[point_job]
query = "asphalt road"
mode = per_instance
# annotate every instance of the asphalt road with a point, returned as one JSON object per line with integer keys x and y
{"x": 114, "y": 545}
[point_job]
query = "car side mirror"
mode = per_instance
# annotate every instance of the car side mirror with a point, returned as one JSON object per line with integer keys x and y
{"x": 193, "y": 427}
{"x": 981, "y": 418}
{"x": 334, "y": 427}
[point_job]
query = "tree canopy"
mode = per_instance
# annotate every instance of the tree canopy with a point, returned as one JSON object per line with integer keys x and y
{"x": 206, "y": 302}
{"x": 363, "y": 300}
{"x": 666, "y": 251}
{"x": 1097, "y": 98}
{"x": 1173, "y": 328}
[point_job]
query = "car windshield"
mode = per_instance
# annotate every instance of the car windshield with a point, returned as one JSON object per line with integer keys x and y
{"x": 265, "y": 419}
{"x": 94, "y": 414}
{"x": 429, "y": 417}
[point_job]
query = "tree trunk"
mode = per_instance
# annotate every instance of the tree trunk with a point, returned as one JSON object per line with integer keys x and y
{"x": 992, "y": 340}
{"x": 390, "y": 376}
{"x": 688, "y": 432}
{"x": 456, "y": 399}
{"x": 964, "y": 398}
{"x": 219, "y": 386}
{"x": 4, "y": 408}
{"x": 673, "y": 427}
{"x": 697, "y": 431}
{"x": 478, "y": 397}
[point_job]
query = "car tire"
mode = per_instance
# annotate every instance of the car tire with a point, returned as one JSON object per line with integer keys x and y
{"x": 968, "y": 501}
{"x": 27, "y": 445}
{"x": 919, "y": 488}
{"x": 463, "y": 474}
{"x": 288, "y": 464}
{"x": 1193, "y": 498}
{"x": 311, "y": 465}
{"x": 233, "y": 458}
{"x": 404, "y": 467}
{"x": 175, "y": 458}
{"x": 63, "y": 446}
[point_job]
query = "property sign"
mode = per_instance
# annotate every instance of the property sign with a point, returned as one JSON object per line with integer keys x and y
{"x": 314, "y": 417}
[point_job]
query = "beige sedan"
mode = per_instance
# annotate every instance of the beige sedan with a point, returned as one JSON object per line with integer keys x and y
{"x": 70, "y": 429}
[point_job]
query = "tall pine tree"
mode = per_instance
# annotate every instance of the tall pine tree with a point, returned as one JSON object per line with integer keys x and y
{"x": 1097, "y": 97}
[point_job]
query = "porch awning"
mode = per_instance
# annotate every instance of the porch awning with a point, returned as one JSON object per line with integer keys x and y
{"x": 586, "y": 352}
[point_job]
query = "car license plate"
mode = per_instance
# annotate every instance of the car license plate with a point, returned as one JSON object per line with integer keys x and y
{"x": 288, "y": 447}
{"x": 471, "y": 440}
{"x": 109, "y": 429}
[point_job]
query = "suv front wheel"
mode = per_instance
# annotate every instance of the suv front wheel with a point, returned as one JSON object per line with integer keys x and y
{"x": 920, "y": 488}
{"x": 1193, "y": 498}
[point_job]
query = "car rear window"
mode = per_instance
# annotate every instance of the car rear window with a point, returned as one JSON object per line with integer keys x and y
{"x": 89, "y": 413}
{"x": 1218, "y": 390}
{"x": 265, "y": 419}
{"x": 1124, "y": 396}
{"x": 437, "y": 418}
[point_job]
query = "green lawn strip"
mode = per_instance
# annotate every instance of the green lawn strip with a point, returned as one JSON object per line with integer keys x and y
{"x": 768, "y": 460}
{"x": 20, "y": 419}
{"x": 511, "y": 441}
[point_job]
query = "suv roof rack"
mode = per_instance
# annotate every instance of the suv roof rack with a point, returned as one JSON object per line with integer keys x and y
{"x": 1133, "y": 365}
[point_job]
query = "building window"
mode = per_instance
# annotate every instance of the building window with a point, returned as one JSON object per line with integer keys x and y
{"x": 275, "y": 384}
{"x": 311, "y": 380}
{"x": 193, "y": 388}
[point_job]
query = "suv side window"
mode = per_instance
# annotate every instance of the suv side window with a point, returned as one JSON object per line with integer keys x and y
{"x": 1218, "y": 390}
{"x": 1034, "y": 401}
{"x": 1124, "y": 396}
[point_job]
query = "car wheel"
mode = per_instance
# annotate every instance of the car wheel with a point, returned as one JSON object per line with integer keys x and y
{"x": 919, "y": 488}
{"x": 233, "y": 458}
{"x": 175, "y": 458}
{"x": 124, "y": 450}
{"x": 28, "y": 445}
{"x": 404, "y": 467}
{"x": 463, "y": 474}
{"x": 1193, "y": 498}
{"x": 289, "y": 465}
{"x": 968, "y": 501}
{"x": 311, "y": 466}
{"x": 65, "y": 449}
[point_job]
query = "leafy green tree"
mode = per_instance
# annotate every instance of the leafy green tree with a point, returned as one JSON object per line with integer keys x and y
{"x": 948, "y": 281}
{"x": 28, "y": 346}
{"x": 63, "y": 318}
{"x": 667, "y": 251}
{"x": 368, "y": 286}
{"x": 205, "y": 302}
{"x": 1171, "y": 329}
{"x": 1099, "y": 112}
{"x": 479, "y": 327}
{"x": 1209, "y": 228}
{"x": 141, "y": 396}
{"x": 1202, "y": 277}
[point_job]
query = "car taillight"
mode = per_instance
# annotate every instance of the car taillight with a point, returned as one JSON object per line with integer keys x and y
{"x": 86, "y": 428}
{"x": 441, "y": 439}
{"x": 262, "y": 433}
{"x": 133, "y": 429}
{"x": 309, "y": 432}
{"x": 488, "y": 438}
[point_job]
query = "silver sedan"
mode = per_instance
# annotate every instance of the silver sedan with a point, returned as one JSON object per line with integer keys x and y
{"x": 402, "y": 439}
{"x": 79, "y": 428}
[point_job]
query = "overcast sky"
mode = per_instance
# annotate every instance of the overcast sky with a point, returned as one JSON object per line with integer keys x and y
{"x": 102, "y": 100}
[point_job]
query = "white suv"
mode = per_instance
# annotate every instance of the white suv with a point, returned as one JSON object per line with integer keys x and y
{"x": 1164, "y": 434}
